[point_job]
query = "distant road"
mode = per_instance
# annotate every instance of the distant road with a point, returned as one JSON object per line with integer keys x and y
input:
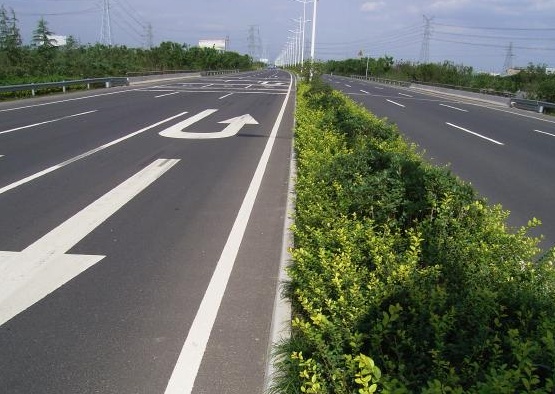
{"x": 508, "y": 155}
{"x": 141, "y": 234}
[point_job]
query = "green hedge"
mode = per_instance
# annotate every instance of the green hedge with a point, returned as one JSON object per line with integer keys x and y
{"x": 402, "y": 279}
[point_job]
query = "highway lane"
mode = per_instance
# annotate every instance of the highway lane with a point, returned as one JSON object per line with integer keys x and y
{"x": 506, "y": 154}
{"x": 128, "y": 229}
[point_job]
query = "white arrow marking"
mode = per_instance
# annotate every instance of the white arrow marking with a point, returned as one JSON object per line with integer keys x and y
{"x": 27, "y": 277}
{"x": 234, "y": 125}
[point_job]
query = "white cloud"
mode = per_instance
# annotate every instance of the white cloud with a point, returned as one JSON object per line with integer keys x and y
{"x": 371, "y": 6}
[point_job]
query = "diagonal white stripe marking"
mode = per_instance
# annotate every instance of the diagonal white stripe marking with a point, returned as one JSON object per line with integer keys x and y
{"x": 47, "y": 121}
{"x": 83, "y": 155}
{"x": 544, "y": 132}
{"x": 393, "y": 102}
{"x": 458, "y": 109}
{"x": 474, "y": 133}
{"x": 167, "y": 94}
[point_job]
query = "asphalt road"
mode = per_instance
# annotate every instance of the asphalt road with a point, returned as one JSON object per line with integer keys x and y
{"x": 506, "y": 154}
{"x": 140, "y": 235}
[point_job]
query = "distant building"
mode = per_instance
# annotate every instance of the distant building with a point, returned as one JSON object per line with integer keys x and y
{"x": 550, "y": 70}
{"x": 218, "y": 44}
{"x": 58, "y": 41}
{"x": 513, "y": 71}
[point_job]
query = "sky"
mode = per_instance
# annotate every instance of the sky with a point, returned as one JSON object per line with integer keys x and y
{"x": 484, "y": 34}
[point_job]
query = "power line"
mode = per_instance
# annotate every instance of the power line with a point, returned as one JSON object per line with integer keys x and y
{"x": 498, "y": 28}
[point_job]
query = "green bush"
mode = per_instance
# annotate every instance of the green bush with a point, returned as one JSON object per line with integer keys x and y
{"x": 402, "y": 279}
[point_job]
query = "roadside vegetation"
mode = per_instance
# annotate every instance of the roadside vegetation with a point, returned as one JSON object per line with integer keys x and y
{"x": 402, "y": 279}
{"x": 533, "y": 82}
{"x": 42, "y": 61}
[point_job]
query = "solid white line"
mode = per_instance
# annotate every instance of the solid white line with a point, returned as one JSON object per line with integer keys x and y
{"x": 545, "y": 132}
{"x": 458, "y": 109}
{"x": 83, "y": 155}
{"x": 364, "y": 91}
{"x": 167, "y": 94}
{"x": 406, "y": 95}
{"x": 48, "y": 121}
{"x": 205, "y": 86}
{"x": 185, "y": 372}
{"x": 27, "y": 277}
{"x": 476, "y": 134}
{"x": 227, "y": 95}
{"x": 393, "y": 102}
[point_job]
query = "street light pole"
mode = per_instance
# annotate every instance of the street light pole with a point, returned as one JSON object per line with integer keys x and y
{"x": 313, "y": 39}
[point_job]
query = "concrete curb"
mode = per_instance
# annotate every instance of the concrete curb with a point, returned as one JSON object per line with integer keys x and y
{"x": 281, "y": 317}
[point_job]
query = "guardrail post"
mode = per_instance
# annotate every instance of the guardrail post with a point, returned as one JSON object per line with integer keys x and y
{"x": 108, "y": 84}
{"x": 63, "y": 88}
{"x": 32, "y": 92}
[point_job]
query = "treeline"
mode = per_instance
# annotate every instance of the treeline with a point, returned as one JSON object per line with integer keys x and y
{"x": 532, "y": 81}
{"x": 43, "y": 60}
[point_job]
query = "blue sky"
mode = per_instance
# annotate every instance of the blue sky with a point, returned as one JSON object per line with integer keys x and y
{"x": 472, "y": 32}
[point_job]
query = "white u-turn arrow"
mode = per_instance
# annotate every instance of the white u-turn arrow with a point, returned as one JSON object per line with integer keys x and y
{"x": 232, "y": 128}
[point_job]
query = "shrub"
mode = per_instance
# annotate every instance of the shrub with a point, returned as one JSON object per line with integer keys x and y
{"x": 402, "y": 279}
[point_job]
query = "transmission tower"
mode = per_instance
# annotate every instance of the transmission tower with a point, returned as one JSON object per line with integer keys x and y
{"x": 106, "y": 28}
{"x": 509, "y": 59}
{"x": 254, "y": 42}
{"x": 425, "y": 50}
{"x": 149, "y": 36}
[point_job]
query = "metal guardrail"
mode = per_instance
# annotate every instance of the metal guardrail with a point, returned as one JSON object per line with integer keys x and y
{"x": 33, "y": 87}
{"x": 108, "y": 82}
{"x": 218, "y": 72}
{"x": 531, "y": 105}
{"x": 382, "y": 80}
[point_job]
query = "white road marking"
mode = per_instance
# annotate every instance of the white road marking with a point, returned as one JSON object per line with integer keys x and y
{"x": 185, "y": 372}
{"x": 206, "y": 86}
{"x": 67, "y": 100}
{"x": 406, "y": 95}
{"x": 348, "y": 85}
{"x": 27, "y": 277}
{"x": 167, "y": 94}
{"x": 393, "y": 102}
{"x": 545, "y": 132}
{"x": 474, "y": 133}
{"x": 48, "y": 121}
{"x": 364, "y": 91}
{"x": 83, "y": 155}
{"x": 379, "y": 88}
{"x": 248, "y": 86}
{"x": 227, "y": 95}
{"x": 458, "y": 109}
{"x": 234, "y": 125}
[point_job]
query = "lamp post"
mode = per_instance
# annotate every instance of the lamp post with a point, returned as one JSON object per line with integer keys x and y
{"x": 313, "y": 40}
{"x": 303, "y": 30}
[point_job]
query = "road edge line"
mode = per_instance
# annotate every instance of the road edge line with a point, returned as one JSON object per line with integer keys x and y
{"x": 280, "y": 328}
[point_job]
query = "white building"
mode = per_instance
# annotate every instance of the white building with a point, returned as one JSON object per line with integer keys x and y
{"x": 218, "y": 44}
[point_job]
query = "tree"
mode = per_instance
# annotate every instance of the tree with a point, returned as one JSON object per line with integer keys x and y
{"x": 42, "y": 35}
